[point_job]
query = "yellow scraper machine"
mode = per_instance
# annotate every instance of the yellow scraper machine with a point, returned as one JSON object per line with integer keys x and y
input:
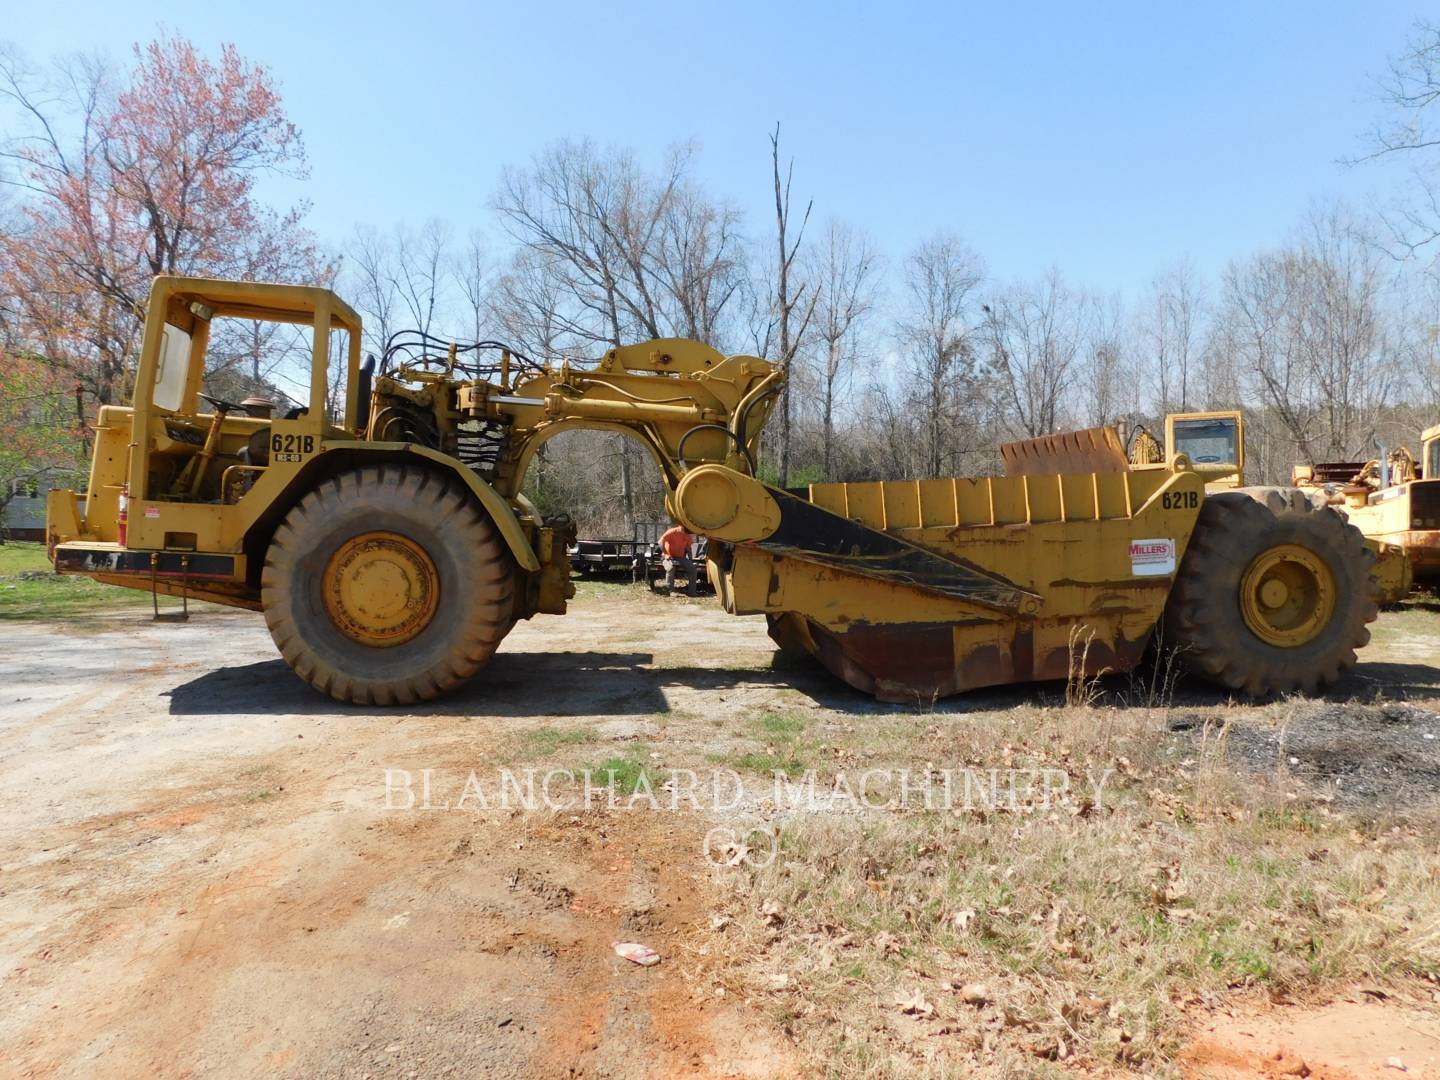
{"x": 383, "y": 532}
{"x": 1394, "y": 500}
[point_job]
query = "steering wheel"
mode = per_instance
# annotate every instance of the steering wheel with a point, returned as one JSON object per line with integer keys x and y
{"x": 223, "y": 406}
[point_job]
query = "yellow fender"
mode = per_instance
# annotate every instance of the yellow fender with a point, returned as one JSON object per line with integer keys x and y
{"x": 496, "y": 505}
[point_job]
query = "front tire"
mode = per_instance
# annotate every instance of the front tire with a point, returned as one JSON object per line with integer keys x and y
{"x": 387, "y": 585}
{"x": 1273, "y": 595}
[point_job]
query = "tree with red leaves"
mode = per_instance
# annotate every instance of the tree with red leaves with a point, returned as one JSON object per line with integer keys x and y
{"x": 44, "y": 440}
{"x": 121, "y": 177}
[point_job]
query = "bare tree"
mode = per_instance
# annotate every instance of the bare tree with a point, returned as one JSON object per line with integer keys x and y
{"x": 1171, "y": 331}
{"x": 1420, "y": 345}
{"x": 1033, "y": 337}
{"x": 941, "y": 279}
{"x": 615, "y": 253}
{"x": 698, "y": 260}
{"x": 757, "y": 311}
{"x": 598, "y": 218}
{"x": 845, "y": 269}
{"x": 1108, "y": 376}
{"x": 369, "y": 258}
{"x": 1411, "y": 89}
{"x": 792, "y": 315}
{"x": 580, "y": 211}
{"x": 419, "y": 271}
{"x": 528, "y": 302}
{"x": 1309, "y": 332}
{"x": 475, "y": 282}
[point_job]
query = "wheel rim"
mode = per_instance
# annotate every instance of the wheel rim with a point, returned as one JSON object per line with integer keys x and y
{"x": 1287, "y": 596}
{"x": 381, "y": 589}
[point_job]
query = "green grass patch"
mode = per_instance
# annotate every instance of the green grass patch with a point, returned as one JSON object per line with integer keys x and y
{"x": 614, "y": 587}
{"x": 624, "y": 773}
{"x": 777, "y": 724}
{"x": 763, "y": 761}
{"x": 31, "y": 591}
{"x": 25, "y": 599}
{"x": 785, "y": 747}
{"x": 17, "y": 557}
{"x": 542, "y": 742}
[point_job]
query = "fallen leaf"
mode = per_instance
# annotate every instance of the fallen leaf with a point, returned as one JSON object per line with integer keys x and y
{"x": 914, "y": 1004}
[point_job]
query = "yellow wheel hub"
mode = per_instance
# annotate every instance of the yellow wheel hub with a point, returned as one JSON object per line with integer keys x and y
{"x": 1287, "y": 596}
{"x": 381, "y": 589}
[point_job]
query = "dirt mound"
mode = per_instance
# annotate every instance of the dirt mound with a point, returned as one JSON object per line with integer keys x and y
{"x": 1370, "y": 1039}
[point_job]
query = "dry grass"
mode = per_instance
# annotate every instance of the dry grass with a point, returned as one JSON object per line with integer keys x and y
{"x": 1091, "y": 930}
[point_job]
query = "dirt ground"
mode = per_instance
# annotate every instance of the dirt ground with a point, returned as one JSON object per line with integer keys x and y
{"x": 199, "y": 874}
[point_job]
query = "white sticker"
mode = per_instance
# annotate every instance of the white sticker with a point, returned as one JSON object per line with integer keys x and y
{"x": 152, "y": 511}
{"x": 1151, "y": 558}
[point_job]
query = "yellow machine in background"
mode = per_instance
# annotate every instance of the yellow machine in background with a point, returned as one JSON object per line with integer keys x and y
{"x": 382, "y": 531}
{"x": 1395, "y": 501}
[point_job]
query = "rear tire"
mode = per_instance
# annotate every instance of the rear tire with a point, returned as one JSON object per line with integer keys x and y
{"x": 1273, "y": 595}
{"x": 387, "y": 585}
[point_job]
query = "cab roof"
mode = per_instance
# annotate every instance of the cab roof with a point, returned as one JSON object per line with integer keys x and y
{"x": 248, "y": 300}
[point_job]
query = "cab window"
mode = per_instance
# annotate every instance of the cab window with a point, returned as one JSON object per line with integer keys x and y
{"x": 174, "y": 367}
{"x": 1207, "y": 442}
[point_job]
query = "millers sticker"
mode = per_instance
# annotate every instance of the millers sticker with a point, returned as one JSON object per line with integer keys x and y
{"x": 1151, "y": 558}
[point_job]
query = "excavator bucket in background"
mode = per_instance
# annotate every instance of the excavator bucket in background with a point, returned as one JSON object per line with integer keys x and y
{"x": 1090, "y": 450}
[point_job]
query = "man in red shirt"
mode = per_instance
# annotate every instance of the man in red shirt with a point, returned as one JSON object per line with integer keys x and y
{"x": 675, "y": 549}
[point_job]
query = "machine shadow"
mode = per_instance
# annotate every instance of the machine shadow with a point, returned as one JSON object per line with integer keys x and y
{"x": 628, "y": 684}
{"x": 1367, "y": 683}
{"x": 1386, "y": 681}
{"x": 554, "y": 684}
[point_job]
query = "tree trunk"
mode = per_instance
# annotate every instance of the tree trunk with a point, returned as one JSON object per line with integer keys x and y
{"x": 627, "y": 486}
{"x": 829, "y": 433}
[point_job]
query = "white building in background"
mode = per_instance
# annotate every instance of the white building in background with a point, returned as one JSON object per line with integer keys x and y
{"x": 23, "y": 516}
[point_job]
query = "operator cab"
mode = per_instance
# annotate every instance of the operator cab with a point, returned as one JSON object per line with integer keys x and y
{"x": 171, "y": 471}
{"x": 201, "y": 447}
{"x": 1213, "y": 441}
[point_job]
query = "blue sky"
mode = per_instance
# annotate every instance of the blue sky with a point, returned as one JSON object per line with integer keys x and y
{"x": 1106, "y": 139}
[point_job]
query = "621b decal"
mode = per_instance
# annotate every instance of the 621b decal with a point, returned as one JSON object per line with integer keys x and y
{"x": 1180, "y": 500}
{"x": 291, "y": 447}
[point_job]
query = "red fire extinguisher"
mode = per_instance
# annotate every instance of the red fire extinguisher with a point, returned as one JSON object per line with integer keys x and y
{"x": 122, "y": 516}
